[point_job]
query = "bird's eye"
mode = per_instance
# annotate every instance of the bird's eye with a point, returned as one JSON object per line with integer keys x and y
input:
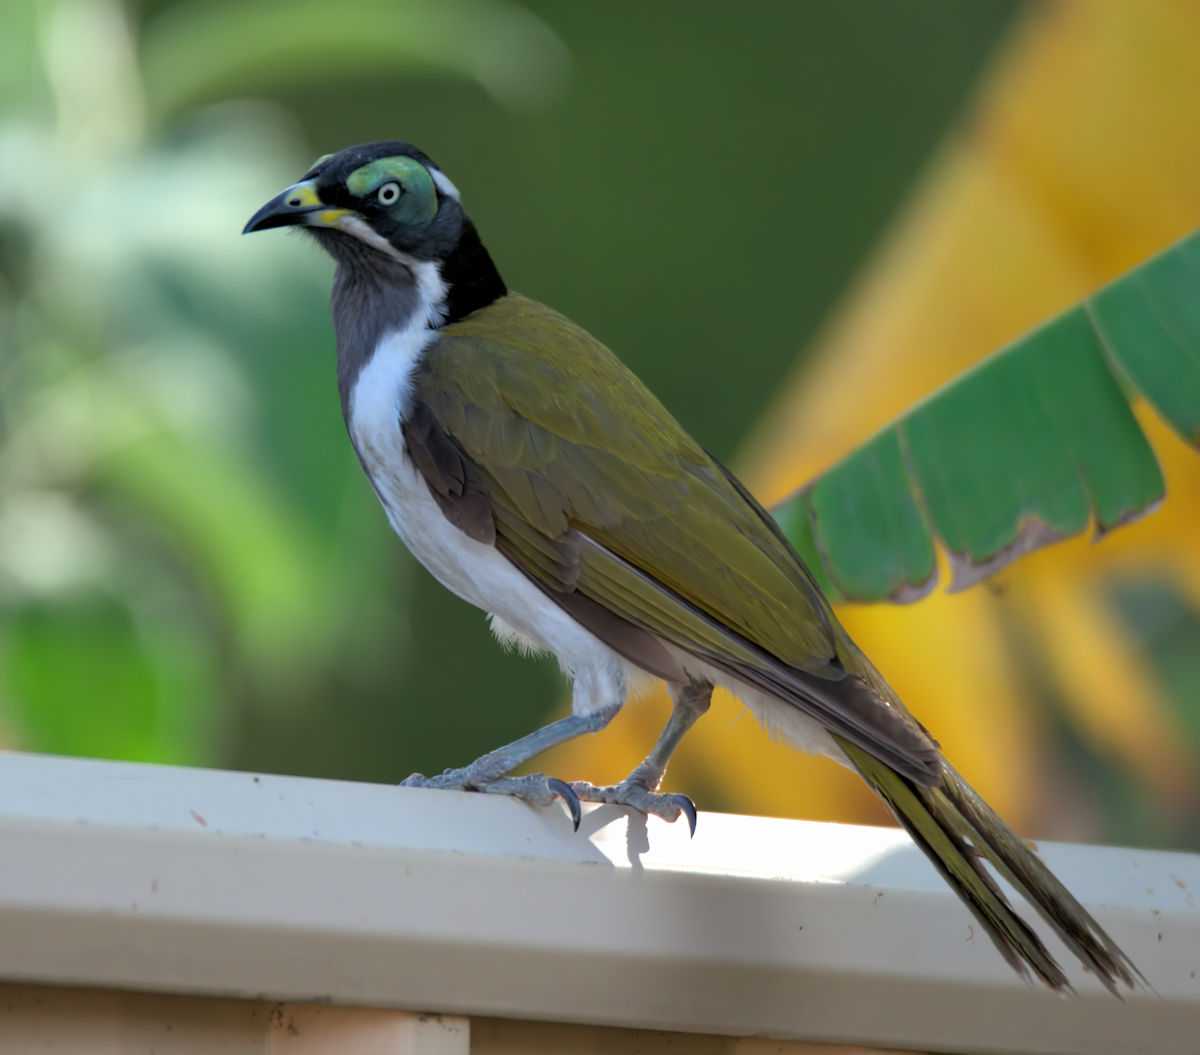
{"x": 389, "y": 193}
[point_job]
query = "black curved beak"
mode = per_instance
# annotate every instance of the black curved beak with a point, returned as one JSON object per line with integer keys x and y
{"x": 293, "y": 207}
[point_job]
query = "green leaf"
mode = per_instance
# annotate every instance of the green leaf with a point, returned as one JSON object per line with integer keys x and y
{"x": 1150, "y": 324}
{"x": 875, "y": 535}
{"x": 1027, "y": 448}
{"x": 21, "y": 80}
{"x": 81, "y": 676}
{"x": 230, "y": 522}
{"x": 201, "y": 52}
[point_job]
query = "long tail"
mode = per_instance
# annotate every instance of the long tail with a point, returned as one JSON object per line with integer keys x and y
{"x": 959, "y": 831}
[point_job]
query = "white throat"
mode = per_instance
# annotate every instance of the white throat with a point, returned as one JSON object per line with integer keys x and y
{"x": 380, "y": 402}
{"x": 380, "y": 398}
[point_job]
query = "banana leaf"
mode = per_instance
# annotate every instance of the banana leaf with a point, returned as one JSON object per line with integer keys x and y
{"x": 1033, "y": 445}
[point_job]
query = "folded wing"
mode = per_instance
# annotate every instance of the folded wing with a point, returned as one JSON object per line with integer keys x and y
{"x": 535, "y": 438}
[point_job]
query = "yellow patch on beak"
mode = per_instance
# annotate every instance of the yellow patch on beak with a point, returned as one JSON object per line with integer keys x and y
{"x": 302, "y": 195}
{"x": 298, "y": 206}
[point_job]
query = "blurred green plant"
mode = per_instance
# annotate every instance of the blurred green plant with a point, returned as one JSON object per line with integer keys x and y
{"x": 169, "y": 559}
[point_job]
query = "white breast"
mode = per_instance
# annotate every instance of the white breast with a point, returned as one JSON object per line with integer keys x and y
{"x": 475, "y": 572}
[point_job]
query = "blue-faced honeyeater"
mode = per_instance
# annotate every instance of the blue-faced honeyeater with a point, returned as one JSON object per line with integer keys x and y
{"x": 536, "y": 477}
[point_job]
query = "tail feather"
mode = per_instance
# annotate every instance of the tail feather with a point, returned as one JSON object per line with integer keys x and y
{"x": 1042, "y": 889}
{"x": 958, "y": 831}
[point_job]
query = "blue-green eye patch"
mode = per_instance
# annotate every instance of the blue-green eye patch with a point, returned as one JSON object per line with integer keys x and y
{"x": 417, "y": 204}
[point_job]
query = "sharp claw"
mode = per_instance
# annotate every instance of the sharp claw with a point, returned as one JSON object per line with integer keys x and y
{"x": 689, "y": 810}
{"x": 567, "y": 793}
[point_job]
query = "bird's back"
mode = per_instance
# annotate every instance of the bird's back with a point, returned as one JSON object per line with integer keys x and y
{"x": 517, "y": 378}
{"x": 595, "y": 490}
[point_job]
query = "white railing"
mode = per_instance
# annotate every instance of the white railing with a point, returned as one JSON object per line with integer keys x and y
{"x": 200, "y": 883}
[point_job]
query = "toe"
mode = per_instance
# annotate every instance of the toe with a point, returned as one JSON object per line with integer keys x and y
{"x": 688, "y": 808}
{"x": 567, "y": 793}
{"x": 636, "y": 796}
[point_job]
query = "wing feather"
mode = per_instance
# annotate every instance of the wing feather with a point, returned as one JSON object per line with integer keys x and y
{"x": 589, "y": 486}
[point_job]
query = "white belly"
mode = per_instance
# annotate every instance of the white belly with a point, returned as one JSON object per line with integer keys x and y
{"x": 474, "y": 571}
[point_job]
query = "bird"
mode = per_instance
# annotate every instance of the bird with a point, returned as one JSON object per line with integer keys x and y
{"x": 536, "y": 477}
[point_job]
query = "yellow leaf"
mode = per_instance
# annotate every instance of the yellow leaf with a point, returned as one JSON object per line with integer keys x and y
{"x": 1079, "y": 158}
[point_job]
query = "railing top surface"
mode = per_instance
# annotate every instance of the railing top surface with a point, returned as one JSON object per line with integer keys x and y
{"x": 236, "y": 884}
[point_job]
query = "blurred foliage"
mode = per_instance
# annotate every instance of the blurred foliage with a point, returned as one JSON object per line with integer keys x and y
{"x": 192, "y": 567}
{"x": 1068, "y": 687}
{"x": 182, "y": 559}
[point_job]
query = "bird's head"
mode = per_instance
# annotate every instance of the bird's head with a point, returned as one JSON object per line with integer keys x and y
{"x": 387, "y": 195}
{"x": 386, "y": 210}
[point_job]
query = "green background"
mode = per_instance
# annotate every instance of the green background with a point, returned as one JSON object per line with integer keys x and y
{"x": 695, "y": 185}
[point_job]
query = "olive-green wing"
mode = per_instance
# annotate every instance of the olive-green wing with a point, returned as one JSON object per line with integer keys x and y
{"x": 534, "y": 437}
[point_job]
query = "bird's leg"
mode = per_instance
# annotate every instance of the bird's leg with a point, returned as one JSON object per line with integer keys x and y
{"x": 488, "y": 772}
{"x": 639, "y": 790}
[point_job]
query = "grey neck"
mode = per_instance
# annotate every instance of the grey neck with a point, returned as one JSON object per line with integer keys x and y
{"x": 372, "y": 295}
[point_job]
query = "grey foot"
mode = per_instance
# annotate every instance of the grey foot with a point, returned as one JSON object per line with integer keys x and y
{"x": 537, "y": 789}
{"x": 637, "y": 796}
